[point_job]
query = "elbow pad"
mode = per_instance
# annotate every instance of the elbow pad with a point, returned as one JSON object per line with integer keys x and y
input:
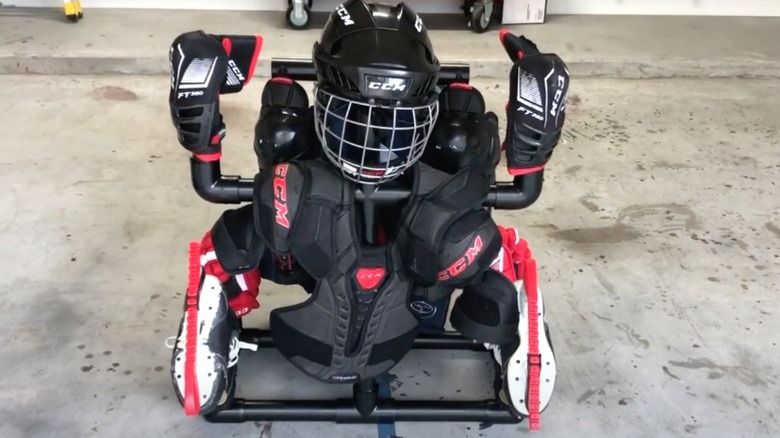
{"x": 198, "y": 68}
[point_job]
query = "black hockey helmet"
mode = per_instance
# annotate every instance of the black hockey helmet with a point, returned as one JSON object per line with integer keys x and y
{"x": 376, "y": 96}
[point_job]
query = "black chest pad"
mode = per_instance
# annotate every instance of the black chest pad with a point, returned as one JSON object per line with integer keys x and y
{"x": 303, "y": 209}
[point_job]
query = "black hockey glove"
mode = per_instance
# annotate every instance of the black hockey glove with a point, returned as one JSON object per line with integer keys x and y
{"x": 538, "y": 87}
{"x": 198, "y": 68}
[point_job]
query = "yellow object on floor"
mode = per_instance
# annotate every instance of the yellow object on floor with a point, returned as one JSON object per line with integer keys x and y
{"x": 73, "y": 10}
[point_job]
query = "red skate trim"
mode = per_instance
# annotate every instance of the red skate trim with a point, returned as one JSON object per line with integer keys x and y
{"x": 530, "y": 280}
{"x": 191, "y": 393}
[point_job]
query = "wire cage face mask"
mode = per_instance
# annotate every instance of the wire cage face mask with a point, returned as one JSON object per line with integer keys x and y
{"x": 372, "y": 144}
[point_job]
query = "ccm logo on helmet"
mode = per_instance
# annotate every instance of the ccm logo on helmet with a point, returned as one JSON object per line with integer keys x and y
{"x": 344, "y": 15}
{"x": 385, "y": 84}
{"x": 280, "y": 195}
{"x": 463, "y": 262}
{"x": 418, "y": 24}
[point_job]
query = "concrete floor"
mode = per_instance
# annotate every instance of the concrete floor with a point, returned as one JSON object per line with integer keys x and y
{"x": 658, "y": 234}
{"x": 137, "y": 41}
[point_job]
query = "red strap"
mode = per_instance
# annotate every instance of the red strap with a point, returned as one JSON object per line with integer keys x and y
{"x": 530, "y": 280}
{"x": 191, "y": 393}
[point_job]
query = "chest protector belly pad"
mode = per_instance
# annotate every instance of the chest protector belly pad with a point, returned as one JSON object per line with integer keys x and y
{"x": 357, "y": 323}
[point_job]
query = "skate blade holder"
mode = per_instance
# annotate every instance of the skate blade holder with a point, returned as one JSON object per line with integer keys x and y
{"x": 170, "y": 342}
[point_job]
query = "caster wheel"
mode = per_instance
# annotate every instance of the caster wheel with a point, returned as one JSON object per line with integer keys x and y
{"x": 72, "y": 18}
{"x": 298, "y": 21}
{"x": 480, "y": 21}
{"x": 466, "y": 8}
{"x": 308, "y": 2}
{"x": 81, "y": 15}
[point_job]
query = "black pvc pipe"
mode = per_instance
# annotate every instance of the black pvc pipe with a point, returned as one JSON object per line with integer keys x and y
{"x": 344, "y": 411}
{"x": 523, "y": 191}
{"x": 303, "y": 70}
{"x": 211, "y": 185}
{"x": 441, "y": 341}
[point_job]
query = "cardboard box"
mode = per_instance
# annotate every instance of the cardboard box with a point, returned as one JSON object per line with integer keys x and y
{"x": 524, "y": 11}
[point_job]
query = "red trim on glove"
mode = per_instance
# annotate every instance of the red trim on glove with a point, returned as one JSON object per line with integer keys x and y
{"x": 213, "y": 267}
{"x": 227, "y": 44}
{"x": 255, "y": 56}
{"x": 246, "y": 301}
{"x": 501, "y": 34}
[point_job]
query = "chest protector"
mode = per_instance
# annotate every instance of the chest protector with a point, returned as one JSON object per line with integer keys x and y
{"x": 357, "y": 323}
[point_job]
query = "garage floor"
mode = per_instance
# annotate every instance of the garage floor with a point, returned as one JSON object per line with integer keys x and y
{"x": 658, "y": 234}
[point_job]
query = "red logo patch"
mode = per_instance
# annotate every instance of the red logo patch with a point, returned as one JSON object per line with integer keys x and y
{"x": 280, "y": 195}
{"x": 369, "y": 278}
